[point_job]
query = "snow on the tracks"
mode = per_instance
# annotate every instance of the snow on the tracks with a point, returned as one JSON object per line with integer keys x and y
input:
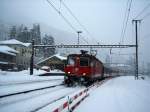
{"x": 21, "y": 97}
{"x": 122, "y": 94}
{"x": 13, "y": 82}
{"x": 11, "y": 89}
{"x": 34, "y": 103}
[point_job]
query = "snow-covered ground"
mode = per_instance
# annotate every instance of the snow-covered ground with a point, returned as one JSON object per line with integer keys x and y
{"x": 14, "y": 82}
{"x": 122, "y": 94}
{"x": 24, "y": 76}
{"x": 33, "y": 103}
{"x": 27, "y": 72}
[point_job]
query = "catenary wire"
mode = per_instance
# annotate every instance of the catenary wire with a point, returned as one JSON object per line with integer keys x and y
{"x": 144, "y": 9}
{"x": 144, "y": 17}
{"x": 73, "y": 15}
{"x": 64, "y": 18}
{"x": 126, "y": 23}
{"x": 76, "y": 18}
{"x": 123, "y": 26}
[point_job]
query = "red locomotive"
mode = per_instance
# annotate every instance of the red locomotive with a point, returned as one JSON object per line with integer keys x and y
{"x": 83, "y": 68}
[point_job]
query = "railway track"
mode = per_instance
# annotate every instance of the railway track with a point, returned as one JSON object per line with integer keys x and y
{"x": 48, "y": 96}
{"x": 13, "y": 98}
{"x": 28, "y": 82}
{"x": 53, "y": 101}
{"x": 16, "y": 89}
{"x": 70, "y": 106}
{"x": 22, "y": 94}
{"x": 39, "y": 98}
{"x": 28, "y": 91}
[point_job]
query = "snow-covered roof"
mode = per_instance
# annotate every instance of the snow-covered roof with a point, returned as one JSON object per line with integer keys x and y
{"x": 14, "y": 41}
{"x": 60, "y": 57}
{"x": 27, "y": 44}
{"x": 8, "y": 50}
{"x": 119, "y": 65}
{"x": 56, "y": 55}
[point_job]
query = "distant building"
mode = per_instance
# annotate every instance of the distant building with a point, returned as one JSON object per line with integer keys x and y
{"x": 3, "y": 32}
{"x": 23, "y": 34}
{"x": 54, "y": 62}
{"x": 24, "y": 55}
{"x": 13, "y": 32}
{"x": 7, "y": 58}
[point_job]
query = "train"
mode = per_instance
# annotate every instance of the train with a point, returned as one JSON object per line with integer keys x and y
{"x": 82, "y": 69}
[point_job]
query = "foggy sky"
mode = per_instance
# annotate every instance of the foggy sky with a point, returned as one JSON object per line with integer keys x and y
{"x": 102, "y": 18}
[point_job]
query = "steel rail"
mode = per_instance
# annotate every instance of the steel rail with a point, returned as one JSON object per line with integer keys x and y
{"x": 27, "y": 91}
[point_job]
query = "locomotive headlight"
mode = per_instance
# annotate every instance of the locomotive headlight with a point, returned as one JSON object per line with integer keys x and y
{"x": 84, "y": 74}
{"x": 68, "y": 72}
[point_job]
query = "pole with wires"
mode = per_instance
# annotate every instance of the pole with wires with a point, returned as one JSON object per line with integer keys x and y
{"x": 136, "y": 36}
{"x": 32, "y": 59}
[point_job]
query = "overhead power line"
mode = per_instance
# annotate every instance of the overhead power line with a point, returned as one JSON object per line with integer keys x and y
{"x": 125, "y": 22}
{"x": 85, "y": 40}
{"x": 144, "y": 17}
{"x": 76, "y": 18}
{"x": 129, "y": 3}
{"x": 63, "y": 17}
{"x": 125, "y": 16}
{"x": 145, "y": 8}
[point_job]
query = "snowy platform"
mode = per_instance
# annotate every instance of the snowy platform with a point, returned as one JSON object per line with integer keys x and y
{"x": 122, "y": 94}
{"x": 7, "y": 78}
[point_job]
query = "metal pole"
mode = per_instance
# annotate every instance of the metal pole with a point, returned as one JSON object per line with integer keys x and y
{"x": 79, "y": 37}
{"x": 136, "y": 49}
{"x": 32, "y": 59}
{"x": 136, "y": 35}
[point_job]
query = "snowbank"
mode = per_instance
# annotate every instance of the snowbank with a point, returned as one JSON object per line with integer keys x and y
{"x": 122, "y": 94}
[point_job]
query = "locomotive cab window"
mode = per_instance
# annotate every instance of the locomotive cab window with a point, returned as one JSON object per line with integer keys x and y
{"x": 84, "y": 61}
{"x": 71, "y": 61}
